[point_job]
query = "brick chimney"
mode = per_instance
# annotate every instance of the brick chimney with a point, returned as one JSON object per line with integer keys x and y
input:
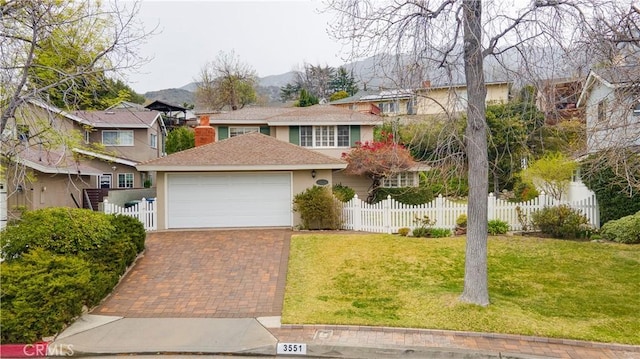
{"x": 205, "y": 134}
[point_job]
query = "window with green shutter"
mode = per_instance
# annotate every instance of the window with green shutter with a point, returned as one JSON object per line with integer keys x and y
{"x": 223, "y": 132}
{"x": 355, "y": 135}
{"x": 294, "y": 135}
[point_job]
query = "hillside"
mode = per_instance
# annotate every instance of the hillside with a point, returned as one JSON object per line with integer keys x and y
{"x": 173, "y": 96}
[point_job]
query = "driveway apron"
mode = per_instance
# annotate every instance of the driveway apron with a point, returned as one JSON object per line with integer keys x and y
{"x": 205, "y": 274}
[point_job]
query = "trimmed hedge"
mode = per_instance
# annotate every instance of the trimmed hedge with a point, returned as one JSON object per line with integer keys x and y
{"x": 623, "y": 230}
{"x": 56, "y": 261}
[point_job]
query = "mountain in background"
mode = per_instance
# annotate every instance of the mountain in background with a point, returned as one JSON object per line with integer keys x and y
{"x": 370, "y": 74}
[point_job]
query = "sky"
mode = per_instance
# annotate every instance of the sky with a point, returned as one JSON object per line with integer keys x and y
{"x": 273, "y": 37}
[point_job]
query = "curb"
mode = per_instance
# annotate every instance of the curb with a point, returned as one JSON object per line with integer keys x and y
{"x": 533, "y": 339}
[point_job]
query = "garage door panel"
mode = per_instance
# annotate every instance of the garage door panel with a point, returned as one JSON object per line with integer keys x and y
{"x": 229, "y": 200}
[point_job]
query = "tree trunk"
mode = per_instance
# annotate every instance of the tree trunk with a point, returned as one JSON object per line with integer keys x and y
{"x": 475, "y": 274}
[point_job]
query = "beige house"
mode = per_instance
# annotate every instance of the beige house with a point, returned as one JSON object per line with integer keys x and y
{"x": 52, "y": 157}
{"x": 452, "y": 99}
{"x": 246, "y": 180}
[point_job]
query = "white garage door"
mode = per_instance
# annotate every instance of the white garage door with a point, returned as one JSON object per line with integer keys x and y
{"x": 229, "y": 200}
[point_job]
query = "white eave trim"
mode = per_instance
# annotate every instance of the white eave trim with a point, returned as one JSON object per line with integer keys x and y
{"x": 57, "y": 170}
{"x": 241, "y": 168}
{"x": 237, "y": 122}
{"x": 328, "y": 123}
{"x": 121, "y": 161}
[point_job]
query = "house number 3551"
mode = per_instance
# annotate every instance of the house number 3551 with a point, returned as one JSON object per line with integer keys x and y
{"x": 291, "y": 348}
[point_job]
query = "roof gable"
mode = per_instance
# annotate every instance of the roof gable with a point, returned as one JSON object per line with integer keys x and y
{"x": 251, "y": 151}
{"x": 119, "y": 118}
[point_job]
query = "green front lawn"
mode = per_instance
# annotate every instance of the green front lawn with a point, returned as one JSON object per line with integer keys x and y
{"x": 541, "y": 287}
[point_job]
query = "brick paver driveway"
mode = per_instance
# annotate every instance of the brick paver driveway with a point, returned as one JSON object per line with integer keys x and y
{"x": 205, "y": 273}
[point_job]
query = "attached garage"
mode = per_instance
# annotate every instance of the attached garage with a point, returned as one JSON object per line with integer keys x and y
{"x": 229, "y": 199}
{"x": 243, "y": 181}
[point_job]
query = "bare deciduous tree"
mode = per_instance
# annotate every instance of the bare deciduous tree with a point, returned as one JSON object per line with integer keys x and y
{"x": 452, "y": 40}
{"x": 107, "y": 36}
{"x": 226, "y": 81}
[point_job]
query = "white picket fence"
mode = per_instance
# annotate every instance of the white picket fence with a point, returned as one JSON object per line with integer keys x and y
{"x": 389, "y": 215}
{"x": 144, "y": 211}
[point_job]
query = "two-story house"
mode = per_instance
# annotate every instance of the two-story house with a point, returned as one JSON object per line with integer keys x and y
{"x": 260, "y": 158}
{"x": 51, "y": 156}
{"x": 611, "y": 100}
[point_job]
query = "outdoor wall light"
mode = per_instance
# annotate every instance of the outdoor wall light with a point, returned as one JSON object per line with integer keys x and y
{"x": 19, "y": 188}
{"x": 114, "y": 168}
{"x": 313, "y": 173}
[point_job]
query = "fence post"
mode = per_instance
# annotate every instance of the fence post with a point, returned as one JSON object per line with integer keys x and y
{"x": 491, "y": 206}
{"x": 106, "y": 206}
{"x": 357, "y": 213}
{"x": 439, "y": 210}
{"x": 386, "y": 214}
{"x": 144, "y": 213}
{"x": 543, "y": 200}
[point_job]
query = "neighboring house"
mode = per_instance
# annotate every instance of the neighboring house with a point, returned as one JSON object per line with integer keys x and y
{"x": 52, "y": 157}
{"x": 558, "y": 99}
{"x": 242, "y": 180}
{"x": 452, "y": 99}
{"x": 384, "y": 102}
{"x": 126, "y": 137}
{"x": 611, "y": 99}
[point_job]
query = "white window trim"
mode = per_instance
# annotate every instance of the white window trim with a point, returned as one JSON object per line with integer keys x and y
{"x": 315, "y": 131}
{"x": 110, "y": 180}
{"x": 410, "y": 179}
{"x": 118, "y": 132}
{"x": 87, "y": 136}
{"x": 241, "y": 130}
{"x": 153, "y": 140}
{"x": 125, "y": 180}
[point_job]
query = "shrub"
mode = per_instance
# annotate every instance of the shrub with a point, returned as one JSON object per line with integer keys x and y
{"x": 318, "y": 208}
{"x": 343, "y": 193}
{"x": 561, "y": 222}
{"x": 461, "y": 221}
{"x": 131, "y": 227}
{"x": 440, "y": 232}
{"x": 57, "y": 229}
{"x": 496, "y": 226}
{"x": 614, "y": 197}
{"x": 421, "y": 232}
{"x": 404, "y": 231}
{"x": 41, "y": 293}
{"x": 623, "y": 230}
{"x": 406, "y": 195}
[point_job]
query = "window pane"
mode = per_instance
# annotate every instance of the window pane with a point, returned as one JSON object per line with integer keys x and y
{"x": 306, "y": 136}
{"x": 125, "y": 138}
{"x": 343, "y": 136}
{"x": 110, "y": 137}
{"x": 236, "y": 131}
{"x": 154, "y": 141}
{"x": 125, "y": 180}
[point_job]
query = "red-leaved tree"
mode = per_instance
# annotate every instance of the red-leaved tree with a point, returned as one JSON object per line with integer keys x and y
{"x": 378, "y": 160}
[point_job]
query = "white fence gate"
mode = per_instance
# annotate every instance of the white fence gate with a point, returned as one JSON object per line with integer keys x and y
{"x": 389, "y": 215}
{"x": 144, "y": 211}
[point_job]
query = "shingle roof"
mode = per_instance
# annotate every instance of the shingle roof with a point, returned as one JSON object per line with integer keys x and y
{"x": 53, "y": 162}
{"x": 252, "y": 151}
{"x": 317, "y": 114}
{"x": 119, "y": 118}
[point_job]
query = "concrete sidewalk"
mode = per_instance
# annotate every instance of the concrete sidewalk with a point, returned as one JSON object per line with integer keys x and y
{"x": 104, "y": 335}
